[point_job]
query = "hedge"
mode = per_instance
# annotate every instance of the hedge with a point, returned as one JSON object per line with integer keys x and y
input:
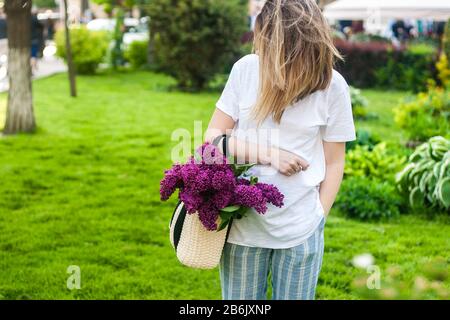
{"x": 378, "y": 64}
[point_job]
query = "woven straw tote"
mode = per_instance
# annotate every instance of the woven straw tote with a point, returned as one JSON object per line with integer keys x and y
{"x": 195, "y": 246}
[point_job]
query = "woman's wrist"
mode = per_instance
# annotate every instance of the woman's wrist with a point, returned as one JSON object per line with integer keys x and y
{"x": 265, "y": 155}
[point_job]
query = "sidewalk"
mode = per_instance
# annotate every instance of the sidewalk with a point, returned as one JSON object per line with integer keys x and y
{"x": 46, "y": 67}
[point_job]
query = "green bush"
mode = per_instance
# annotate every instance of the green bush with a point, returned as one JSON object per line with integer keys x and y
{"x": 368, "y": 199}
{"x": 443, "y": 69}
{"x": 218, "y": 81}
{"x": 446, "y": 39}
{"x": 88, "y": 48}
{"x": 442, "y": 65}
{"x": 363, "y": 138}
{"x": 378, "y": 163}
{"x": 408, "y": 69}
{"x": 359, "y": 103}
{"x": 426, "y": 116}
{"x": 364, "y": 37}
{"x": 425, "y": 180}
{"x": 137, "y": 54}
{"x": 194, "y": 39}
{"x": 405, "y": 68}
{"x": 47, "y": 4}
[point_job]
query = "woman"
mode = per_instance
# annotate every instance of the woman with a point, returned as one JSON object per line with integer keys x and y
{"x": 290, "y": 113}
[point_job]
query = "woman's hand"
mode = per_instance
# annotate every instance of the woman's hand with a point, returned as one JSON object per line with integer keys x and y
{"x": 287, "y": 163}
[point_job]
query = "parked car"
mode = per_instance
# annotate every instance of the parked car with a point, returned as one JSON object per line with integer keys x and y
{"x": 135, "y": 29}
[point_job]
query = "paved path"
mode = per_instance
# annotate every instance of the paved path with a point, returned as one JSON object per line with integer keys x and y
{"x": 47, "y": 66}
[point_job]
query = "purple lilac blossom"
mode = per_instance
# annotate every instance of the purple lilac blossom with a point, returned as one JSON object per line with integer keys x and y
{"x": 191, "y": 200}
{"x": 209, "y": 185}
{"x": 271, "y": 193}
{"x": 208, "y": 215}
{"x": 250, "y": 196}
{"x": 172, "y": 180}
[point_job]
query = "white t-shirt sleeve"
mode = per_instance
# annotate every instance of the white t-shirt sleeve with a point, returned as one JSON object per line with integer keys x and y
{"x": 340, "y": 126}
{"x": 229, "y": 100}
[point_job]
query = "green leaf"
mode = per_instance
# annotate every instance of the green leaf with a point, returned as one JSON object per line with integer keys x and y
{"x": 223, "y": 225}
{"x": 416, "y": 198}
{"x": 241, "y": 213}
{"x": 239, "y": 169}
{"x": 226, "y": 215}
{"x": 245, "y": 166}
{"x": 444, "y": 192}
{"x": 253, "y": 180}
{"x": 230, "y": 208}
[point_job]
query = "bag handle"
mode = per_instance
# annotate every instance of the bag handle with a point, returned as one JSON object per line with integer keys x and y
{"x": 224, "y": 138}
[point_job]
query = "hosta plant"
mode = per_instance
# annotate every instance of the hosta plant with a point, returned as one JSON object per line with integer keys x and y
{"x": 426, "y": 178}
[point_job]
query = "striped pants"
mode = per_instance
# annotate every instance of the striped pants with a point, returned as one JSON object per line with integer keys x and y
{"x": 294, "y": 272}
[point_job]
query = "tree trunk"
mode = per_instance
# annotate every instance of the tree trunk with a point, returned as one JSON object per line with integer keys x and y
{"x": 19, "y": 114}
{"x": 70, "y": 66}
{"x": 151, "y": 45}
{"x": 117, "y": 51}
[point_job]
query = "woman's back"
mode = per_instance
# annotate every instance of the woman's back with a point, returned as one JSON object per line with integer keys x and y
{"x": 323, "y": 115}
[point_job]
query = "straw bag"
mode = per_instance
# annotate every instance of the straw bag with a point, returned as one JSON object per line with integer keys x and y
{"x": 195, "y": 246}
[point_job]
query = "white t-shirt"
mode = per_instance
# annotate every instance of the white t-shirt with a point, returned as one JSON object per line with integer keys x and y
{"x": 324, "y": 115}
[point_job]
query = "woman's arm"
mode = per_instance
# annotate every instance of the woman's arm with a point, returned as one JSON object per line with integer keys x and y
{"x": 245, "y": 152}
{"x": 335, "y": 161}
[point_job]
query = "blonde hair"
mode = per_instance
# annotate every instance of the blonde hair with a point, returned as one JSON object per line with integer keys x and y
{"x": 296, "y": 55}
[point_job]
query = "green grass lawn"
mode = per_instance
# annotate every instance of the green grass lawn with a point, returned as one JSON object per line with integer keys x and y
{"x": 83, "y": 191}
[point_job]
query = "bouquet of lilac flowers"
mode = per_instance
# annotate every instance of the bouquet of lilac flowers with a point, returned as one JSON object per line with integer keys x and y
{"x": 213, "y": 187}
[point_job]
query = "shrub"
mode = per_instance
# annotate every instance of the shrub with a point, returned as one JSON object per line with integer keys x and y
{"x": 88, "y": 48}
{"x": 359, "y": 103}
{"x": 367, "y": 56}
{"x": 426, "y": 116}
{"x": 194, "y": 39}
{"x": 443, "y": 69}
{"x": 137, "y": 54}
{"x": 446, "y": 39}
{"x": 364, "y": 37}
{"x": 363, "y": 138}
{"x": 406, "y": 68}
{"x": 218, "y": 81}
{"x": 426, "y": 178}
{"x": 442, "y": 65}
{"x": 368, "y": 199}
{"x": 378, "y": 163}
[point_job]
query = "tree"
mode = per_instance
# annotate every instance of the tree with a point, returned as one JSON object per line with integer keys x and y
{"x": 70, "y": 66}
{"x": 19, "y": 114}
{"x": 119, "y": 7}
{"x": 194, "y": 39}
{"x": 117, "y": 58}
{"x": 143, "y": 6}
